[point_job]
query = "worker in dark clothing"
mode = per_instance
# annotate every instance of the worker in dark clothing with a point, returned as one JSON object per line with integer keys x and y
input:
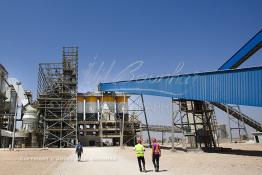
{"x": 79, "y": 151}
{"x": 156, "y": 153}
{"x": 139, "y": 148}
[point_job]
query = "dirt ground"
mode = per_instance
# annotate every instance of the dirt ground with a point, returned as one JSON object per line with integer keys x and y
{"x": 30, "y": 161}
{"x": 243, "y": 160}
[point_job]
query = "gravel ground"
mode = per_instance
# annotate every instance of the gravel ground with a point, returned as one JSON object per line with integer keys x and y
{"x": 246, "y": 159}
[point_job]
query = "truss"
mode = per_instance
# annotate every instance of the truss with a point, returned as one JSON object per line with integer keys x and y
{"x": 197, "y": 121}
{"x": 57, "y": 99}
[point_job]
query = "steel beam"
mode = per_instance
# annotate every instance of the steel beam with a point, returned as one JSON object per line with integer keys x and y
{"x": 244, "y": 52}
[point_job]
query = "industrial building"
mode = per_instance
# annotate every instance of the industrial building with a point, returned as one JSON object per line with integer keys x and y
{"x": 197, "y": 94}
{"x": 57, "y": 100}
{"x": 101, "y": 117}
{"x": 5, "y": 106}
{"x": 61, "y": 115}
{"x": 94, "y": 118}
{"x": 11, "y": 94}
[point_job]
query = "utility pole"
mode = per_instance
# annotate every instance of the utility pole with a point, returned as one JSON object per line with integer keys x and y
{"x": 16, "y": 108}
{"x": 174, "y": 116}
{"x": 123, "y": 125}
{"x": 148, "y": 133}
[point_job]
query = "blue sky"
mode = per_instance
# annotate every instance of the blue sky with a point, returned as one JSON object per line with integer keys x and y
{"x": 157, "y": 35}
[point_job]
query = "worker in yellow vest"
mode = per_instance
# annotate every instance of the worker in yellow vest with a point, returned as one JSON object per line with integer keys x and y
{"x": 139, "y": 148}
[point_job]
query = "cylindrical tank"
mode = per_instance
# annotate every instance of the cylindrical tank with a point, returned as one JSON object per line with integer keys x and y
{"x": 122, "y": 104}
{"x": 122, "y": 107}
{"x": 13, "y": 98}
{"x": 91, "y": 104}
{"x": 107, "y": 103}
{"x": 80, "y": 108}
{"x": 80, "y": 104}
{"x": 30, "y": 119}
{"x": 91, "y": 107}
{"x": 107, "y": 107}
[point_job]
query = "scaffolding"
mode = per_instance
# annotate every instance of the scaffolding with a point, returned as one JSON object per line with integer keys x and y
{"x": 57, "y": 99}
{"x": 198, "y": 122}
{"x": 138, "y": 111}
{"x": 236, "y": 124}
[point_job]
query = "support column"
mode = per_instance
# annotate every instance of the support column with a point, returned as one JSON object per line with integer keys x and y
{"x": 229, "y": 124}
{"x": 84, "y": 110}
{"x": 122, "y": 126}
{"x": 173, "y": 128}
{"x": 162, "y": 138}
{"x": 144, "y": 109}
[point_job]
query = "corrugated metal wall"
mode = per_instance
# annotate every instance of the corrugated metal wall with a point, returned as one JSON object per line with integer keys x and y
{"x": 239, "y": 86}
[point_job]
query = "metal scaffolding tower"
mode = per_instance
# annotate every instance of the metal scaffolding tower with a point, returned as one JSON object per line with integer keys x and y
{"x": 237, "y": 124}
{"x": 57, "y": 99}
{"x": 138, "y": 110}
{"x": 197, "y": 121}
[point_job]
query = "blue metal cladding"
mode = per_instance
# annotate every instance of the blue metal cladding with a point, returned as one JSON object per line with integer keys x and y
{"x": 244, "y": 53}
{"x": 239, "y": 86}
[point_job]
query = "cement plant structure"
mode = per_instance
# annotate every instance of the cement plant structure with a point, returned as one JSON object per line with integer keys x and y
{"x": 57, "y": 99}
{"x": 104, "y": 119}
{"x": 66, "y": 116}
{"x": 61, "y": 116}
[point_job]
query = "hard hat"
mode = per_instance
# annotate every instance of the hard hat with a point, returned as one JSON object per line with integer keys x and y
{"x": 154, "y": 140}
{"x": 139, "y": 141}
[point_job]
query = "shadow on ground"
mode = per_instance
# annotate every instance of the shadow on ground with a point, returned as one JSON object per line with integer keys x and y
{"x": 254, "y": 153}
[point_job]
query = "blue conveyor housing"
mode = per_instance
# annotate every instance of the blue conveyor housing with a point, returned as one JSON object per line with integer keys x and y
{"x": 218, "y": 87}
{"x": 244, "y": 52}
{"x": 238, "y": 86}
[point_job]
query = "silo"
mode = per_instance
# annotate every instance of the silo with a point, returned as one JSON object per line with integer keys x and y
{"x": 91, "y": 108}
{"x": 122, "y": 106}
{"x": 107, "y": 107}
{"x": 30, "y": 119}
{"x": 80, "y": 108}
{"x": 12, "y": 100}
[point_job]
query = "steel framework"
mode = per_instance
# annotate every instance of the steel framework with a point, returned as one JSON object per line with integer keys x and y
{"x": 57, "y": 99}
{"x": 237, "y": 117}
{"x": 198, "y": 122}
{"x": 253, "y": 45}
{"x": 138, "y": 110}
{"x": 237, "y": 124}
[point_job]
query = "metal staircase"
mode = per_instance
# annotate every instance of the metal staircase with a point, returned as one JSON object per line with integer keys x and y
{"x": 240, "y": 116}
{"x": 243, "y": 54}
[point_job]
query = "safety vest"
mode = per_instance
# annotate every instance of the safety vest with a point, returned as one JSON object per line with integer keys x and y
{"x": 139, "y": 150}
{"x": 156, "y": 149}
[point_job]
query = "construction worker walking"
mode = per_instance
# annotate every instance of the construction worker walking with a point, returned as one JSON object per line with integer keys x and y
{"x": 139, "y": 148}
{"x": 79, "y": 151}
{"x": 156, "y": 153}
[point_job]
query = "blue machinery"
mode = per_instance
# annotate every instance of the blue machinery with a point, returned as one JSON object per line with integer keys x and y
{"x": 236, "y": 60}
{"x": 237, "y": 86}
{"x": 253, "y": 45}
{"x": 241, "y": 87}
